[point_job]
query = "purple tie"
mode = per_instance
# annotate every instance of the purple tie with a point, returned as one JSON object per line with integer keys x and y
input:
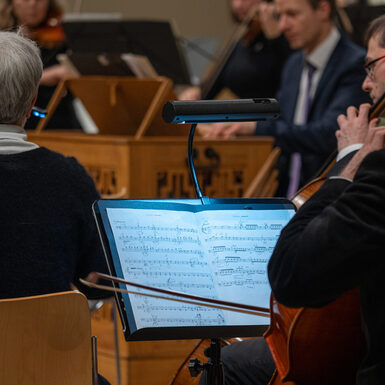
{"x": 295, "y": 159}
{"x": 308, "y": 98}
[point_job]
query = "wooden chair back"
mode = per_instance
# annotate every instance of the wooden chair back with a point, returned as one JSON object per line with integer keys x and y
{"x": 46, "y": 339}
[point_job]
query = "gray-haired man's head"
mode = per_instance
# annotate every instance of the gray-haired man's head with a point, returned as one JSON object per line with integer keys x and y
{"x": 20, "y": 72}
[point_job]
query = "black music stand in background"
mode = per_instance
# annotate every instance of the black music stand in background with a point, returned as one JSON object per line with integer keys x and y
{"x": 208, "y": 246}
{"x": 152, "y": 39}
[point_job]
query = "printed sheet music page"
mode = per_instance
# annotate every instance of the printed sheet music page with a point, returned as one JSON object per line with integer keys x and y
{"x": 220, "y": 254}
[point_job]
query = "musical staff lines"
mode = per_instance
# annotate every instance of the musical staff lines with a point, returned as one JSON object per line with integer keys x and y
{"x": 123, "y": 226}
{"x": 208, "y": 228}
{"x": 197, "y": 320}
{"x": 217, "y": 254}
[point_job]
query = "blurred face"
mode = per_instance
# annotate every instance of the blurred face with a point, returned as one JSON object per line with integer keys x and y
{"x": 30, "y": 13}
{"x": 374, "y": 82}
{"x": 240, "y": 8}
{"x": 303, "y": 26}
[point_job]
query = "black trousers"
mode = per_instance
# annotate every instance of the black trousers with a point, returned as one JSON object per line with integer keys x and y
{"x": 247, "y": 362}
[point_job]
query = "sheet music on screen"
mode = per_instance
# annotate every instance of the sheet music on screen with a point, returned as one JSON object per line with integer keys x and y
{"x": 220, "y": 254}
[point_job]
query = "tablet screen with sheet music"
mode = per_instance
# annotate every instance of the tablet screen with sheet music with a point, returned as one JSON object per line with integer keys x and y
{"x": 219, "y": 250}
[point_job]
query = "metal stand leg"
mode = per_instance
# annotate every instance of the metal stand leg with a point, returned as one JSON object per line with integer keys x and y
{"x": 116, "y": 341}
{"x": 213, "y": 367}
{"x": 94, "y": 361}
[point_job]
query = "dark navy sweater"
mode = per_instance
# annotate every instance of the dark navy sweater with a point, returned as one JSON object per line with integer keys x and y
{"x": 48, "y": 237}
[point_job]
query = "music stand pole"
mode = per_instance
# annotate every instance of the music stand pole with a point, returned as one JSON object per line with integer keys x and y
{"x": 212, "y": 370}
{"x": 214, "y": 366}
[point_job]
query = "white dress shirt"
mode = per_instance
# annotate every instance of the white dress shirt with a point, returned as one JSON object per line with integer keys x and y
{"x": 318, "y": 58}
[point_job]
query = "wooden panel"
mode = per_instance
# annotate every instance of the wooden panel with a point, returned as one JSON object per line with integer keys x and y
{"x": 156, "y": 167}
{"x": 265, "y": 182}
{"x": 224, "y": 168}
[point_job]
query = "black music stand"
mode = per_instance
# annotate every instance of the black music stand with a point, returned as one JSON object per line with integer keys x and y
{"x": 219, "y": 249}
{"x": 218, "y": 246}
{"x": 152, "y": 39}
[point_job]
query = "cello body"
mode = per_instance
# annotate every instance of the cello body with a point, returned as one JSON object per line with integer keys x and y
{"x": 317, "y": 346}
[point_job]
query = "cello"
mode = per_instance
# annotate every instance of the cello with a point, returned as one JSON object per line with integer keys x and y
{"x": 336, "y": 352}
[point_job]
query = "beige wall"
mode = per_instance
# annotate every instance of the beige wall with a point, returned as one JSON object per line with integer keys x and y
{"x": 197, "y": 18}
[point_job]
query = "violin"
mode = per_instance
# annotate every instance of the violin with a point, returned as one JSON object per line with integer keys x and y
{"x": 50, "y": 34}
{"x": 246, "y": 32}
{"x": 318, "y": 345}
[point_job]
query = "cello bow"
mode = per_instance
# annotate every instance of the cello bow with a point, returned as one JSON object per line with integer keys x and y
{"x": 193, "y": 299}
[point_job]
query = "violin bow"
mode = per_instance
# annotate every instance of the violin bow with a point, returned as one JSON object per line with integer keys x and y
{"x": 189, "y": 298}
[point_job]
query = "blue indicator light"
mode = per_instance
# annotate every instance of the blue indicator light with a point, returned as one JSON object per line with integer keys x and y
{"x": 39, "y": 112}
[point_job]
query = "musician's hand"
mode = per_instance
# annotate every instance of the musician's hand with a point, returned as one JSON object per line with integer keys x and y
{"x": 52, "y": 75}
{"x": 190, "y": 93}
{"x": 92, "y": 277}
{"x": 353, "y": 126}
{"x": 269, "y": 20}
{"x": 230, "y": 130}
{"x": 374, "y": 141}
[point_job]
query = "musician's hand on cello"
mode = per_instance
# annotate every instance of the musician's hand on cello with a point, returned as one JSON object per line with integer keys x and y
{"x": 353, "y": 126}
{"x": 374, "y": 141}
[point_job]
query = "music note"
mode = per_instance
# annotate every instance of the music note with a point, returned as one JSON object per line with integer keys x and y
{"x": 215, "y": 254}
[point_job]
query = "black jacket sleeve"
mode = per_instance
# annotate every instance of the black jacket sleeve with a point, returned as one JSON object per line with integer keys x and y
{"x": 334, "y": 240}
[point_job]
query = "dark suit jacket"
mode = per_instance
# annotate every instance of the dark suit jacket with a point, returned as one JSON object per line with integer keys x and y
{"x": 254, "y": 71}
{"x": 334, "y": 243}
{"x": 338, "y": 88}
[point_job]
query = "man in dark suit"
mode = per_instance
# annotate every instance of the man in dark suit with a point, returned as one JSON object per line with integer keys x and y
{"x": 318, "y": 83}
{"x": 335, "y": 242}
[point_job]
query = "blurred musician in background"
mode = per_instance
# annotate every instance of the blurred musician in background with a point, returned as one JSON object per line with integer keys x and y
{"x": 40, "y": 20}
{"x": 318, "y": 84}
{"x": 253, "y": 68}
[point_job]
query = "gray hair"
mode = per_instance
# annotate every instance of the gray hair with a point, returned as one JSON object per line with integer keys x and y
{"x": 20, "y": 72}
